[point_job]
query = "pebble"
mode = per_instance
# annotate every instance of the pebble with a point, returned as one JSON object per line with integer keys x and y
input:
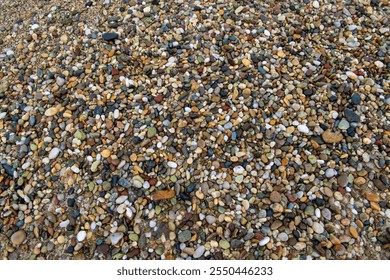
{"x": 184, "y": 236}
{"x": 110, "y": 36}
{"x": 303, "y": 128}
{"x": 51, "y": 112}
{"x": 116, "y": 237}
{"x": 54, "y": 153}
{"x": 264, "y": 241}
{"x": 18, "y": 237}
{"x": 172, "y": 164}
{"x": 81, "y": 235}
{"x": 199, "y": 252}
{"x": 318, "y": 228}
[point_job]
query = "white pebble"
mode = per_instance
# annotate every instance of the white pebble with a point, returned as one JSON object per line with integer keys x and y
{"x": 238, "y": 169}
{"x": 264, "y": 241}
{"x": 116, "y": 113}
{"x": 303, "y": 128}
{"x": 316, "y": 5}
{"x": 318, "y": 228}
{"x": 379, "y": 64}
{"x": 81, "y": 235}
{"x": 116, "y": 237}
{"x": 267, "y": 33}
{"x": 75, "y": 169}
{"x": 172, "y": 164}
{"x": 54, "y": 153}
{"x": 198, "y": 252}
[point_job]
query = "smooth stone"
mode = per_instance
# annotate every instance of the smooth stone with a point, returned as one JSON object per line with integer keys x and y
{"x": 326, "y": 214}
{"x": 51, "y": 112}
{"x": 124, "y": 182}
{"x": 60, "y": 81}
{"x": 275, "y": 197}
{"x": 95, "y": 165}
{"x": 81, "y": 235}
{"x": 224, "y": 244}
{"x": 210, "y": 219}
{"x": 283, "y": 236}
{"x": 110, "y": 36}
{"x": 351, "y": 116}
{"x": 303, "y": 128}
{"x": 116, "y": 237}
{"x": 199, "y": 252}
{"x": 318, "y": 228}
{"x": 239, "y": 179}
{"x": 342, "y": 180}
{"x": 172, "y": 164}
{"x": 264, "y": 241}
{"x": 300, "y": 246}
{"x": 330, "y": 172}
{"x": 343, "y": 124}
{"x": 184, "y": 236}
{"x": 238, "y": 169}
{"x": 54, "y": 153}
{"x": 151, "y": 132}
{"x": 356, "y": 99}
{"x": 18, "y": 237}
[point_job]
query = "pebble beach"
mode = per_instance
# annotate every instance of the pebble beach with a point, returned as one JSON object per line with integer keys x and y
{"x": 221, "y": 130}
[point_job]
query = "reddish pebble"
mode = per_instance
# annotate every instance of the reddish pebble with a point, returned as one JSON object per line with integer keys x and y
{"x": 159, "y": 98}
{"x": 152, "y": 182}
{"x": 114, "y": 72}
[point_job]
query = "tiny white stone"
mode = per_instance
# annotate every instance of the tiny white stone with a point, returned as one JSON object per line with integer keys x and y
{"x": 198, "y": 252}
{"x": 387, "y": 212}
{"x": 121, "y": 209}
{"x": 81, "y": 235}
{"x": 318, "y": 228}
{"x": 316, "y": 5}
{"x": 172, "y": 164}
{"x": 379, "y": 64}
{"x": 116, "y": 113}
{"x": 34, "y": 26}
{"x": 245, "y": 203}
{"x": 238, "y": 169}
{"x": 116, "y": 237}
{"x": 264, "y": 241}
{"x": 146, "y": 185}
{"x": 266, "y": 32}
{"x": 303, "y": 128}
{"x": 75, "y": 169}
{"x": 121, "y": 199}
{"x": 54, "y": 153}
{"x": 2, "y": 115}
{"x": 64, "y": 224}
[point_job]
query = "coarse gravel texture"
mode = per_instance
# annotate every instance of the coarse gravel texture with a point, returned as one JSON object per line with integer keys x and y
{"x": 194, "y": 129}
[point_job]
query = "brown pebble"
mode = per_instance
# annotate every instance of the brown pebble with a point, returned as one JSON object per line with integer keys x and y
{"x": 18, "y": 237}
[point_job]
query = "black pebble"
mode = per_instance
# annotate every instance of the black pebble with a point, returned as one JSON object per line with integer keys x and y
{"x": 110, "y": 36}
{"x": 71, "y": 202}
{"x": 355, "y": 98}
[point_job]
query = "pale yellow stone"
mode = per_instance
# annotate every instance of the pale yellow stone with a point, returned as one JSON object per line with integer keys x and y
{"x": 51, "y": 112}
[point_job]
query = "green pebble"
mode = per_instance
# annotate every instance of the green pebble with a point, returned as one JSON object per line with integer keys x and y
{"x": 157, "y": 209}
{"x": 79, "y": 135}
{"x": 95, "y": 165}
{"x": 151, "y": 132}
{"x": 312, "y": 159}
{"x": 20, "y": 181}
{"x": 133, "y": 237}
{"x": 224, "y": 244}
{"x": 343, "y": 124}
